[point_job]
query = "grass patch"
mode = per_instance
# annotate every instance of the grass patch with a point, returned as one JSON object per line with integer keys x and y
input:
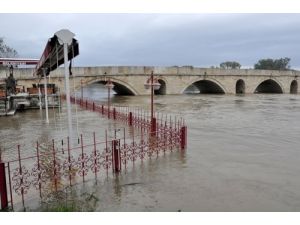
{"x": 63, "y": 207}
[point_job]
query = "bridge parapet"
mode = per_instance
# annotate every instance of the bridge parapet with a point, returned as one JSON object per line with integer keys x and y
{"x": 176, "y": 79}
{"x": 24, "y": 73}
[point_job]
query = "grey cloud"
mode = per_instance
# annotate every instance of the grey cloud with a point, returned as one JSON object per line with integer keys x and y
{"x": 160, "y": 39}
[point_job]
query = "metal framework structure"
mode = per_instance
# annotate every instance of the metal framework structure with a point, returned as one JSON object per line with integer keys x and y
{"x": 53, "y": 55}
{"x": 59, "y": 49}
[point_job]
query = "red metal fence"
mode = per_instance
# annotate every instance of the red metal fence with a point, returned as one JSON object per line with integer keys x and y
{"x": 135, "y": 117}
{"x": 56, "y": 165}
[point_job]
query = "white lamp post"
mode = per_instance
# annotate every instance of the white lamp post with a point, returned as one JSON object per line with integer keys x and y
{"x": 46, "y": 95}
{"x": 65, "y": 38}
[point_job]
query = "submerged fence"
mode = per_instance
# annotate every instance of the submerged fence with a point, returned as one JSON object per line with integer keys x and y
{"x": 55, "y": 166}
{"x": 130, "y": 116}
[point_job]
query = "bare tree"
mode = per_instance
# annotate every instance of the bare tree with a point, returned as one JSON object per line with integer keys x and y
{"x": 6, "y": 51}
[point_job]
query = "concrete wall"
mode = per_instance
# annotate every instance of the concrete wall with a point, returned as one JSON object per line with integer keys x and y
{"x": 177, "y": 79}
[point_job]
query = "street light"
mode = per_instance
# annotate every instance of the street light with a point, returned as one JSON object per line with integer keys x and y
{"x": 155, "y": 85}
{"x": 65, "y": 38}
{"x": 109, "y": 86}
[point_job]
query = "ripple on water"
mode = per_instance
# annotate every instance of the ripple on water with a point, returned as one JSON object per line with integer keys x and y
{"x": 242, "y": 153}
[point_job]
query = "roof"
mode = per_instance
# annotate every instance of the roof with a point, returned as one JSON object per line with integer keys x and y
{"x": 53, "y": 55}
{"x": 18, "y": 61}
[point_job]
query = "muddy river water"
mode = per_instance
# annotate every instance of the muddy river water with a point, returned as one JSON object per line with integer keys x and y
{"x": 243, "y": 153}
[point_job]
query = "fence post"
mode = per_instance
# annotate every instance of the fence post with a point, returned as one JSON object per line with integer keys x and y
{"x": 114, "y": 113}
{"x": 153, "y": 127}
{"x": 3, "y": 189}
{"x": 183, "y": 137}
{"x": 130, "y": 119}
{"x": 93, "y": 106}
{"x": 116, "y": 156}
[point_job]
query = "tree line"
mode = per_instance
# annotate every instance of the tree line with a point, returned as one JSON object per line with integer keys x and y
{"x": 273, "y": 64}
{"x": 262, "y": 64}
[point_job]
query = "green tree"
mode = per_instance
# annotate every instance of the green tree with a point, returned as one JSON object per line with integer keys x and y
{"x": 6, "y": 51}
{"x": 230, "y": 65}
{"x": 273, "y": 64}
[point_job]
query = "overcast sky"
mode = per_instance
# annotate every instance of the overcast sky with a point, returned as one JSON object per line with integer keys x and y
{"x": 160, "y": 39}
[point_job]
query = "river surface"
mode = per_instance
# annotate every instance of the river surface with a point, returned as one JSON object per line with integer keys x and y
{"x": 243, "y": 153}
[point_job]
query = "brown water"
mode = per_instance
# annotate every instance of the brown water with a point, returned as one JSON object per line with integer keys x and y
{"x": 243, "y": 154}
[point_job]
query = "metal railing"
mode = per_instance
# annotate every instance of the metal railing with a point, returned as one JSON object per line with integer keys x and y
{"x": 56, "y": 165}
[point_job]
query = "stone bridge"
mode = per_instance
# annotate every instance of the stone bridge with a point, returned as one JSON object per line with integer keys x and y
{"x": 129, "y": 80}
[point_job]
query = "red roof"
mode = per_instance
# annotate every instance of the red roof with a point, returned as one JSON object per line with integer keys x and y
{"x": 18, "y": 61}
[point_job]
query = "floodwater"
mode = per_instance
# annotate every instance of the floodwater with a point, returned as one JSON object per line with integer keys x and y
{"x": 243, "y": 154}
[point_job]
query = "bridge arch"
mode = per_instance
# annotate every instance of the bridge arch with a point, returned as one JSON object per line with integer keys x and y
{"x": 163, "y": 87}
{"x": 294, "y": 87}
{"x": 120, "y": 87}
{"x": 240, "y": 87}
{"x": 205, "y": 86}
{"x": 269, "y": 86}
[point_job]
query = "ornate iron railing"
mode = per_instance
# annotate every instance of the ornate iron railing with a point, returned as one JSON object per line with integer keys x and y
{"x": 56, "y": 165}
